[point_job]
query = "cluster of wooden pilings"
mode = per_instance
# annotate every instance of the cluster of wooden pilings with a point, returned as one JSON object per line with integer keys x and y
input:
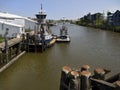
{"x": 84, "y": 80}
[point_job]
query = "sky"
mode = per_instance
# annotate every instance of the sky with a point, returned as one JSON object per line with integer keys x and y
{"x": 57, "y": 9}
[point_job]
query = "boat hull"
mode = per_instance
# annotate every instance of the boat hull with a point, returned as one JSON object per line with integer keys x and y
{"x": 40, "y": 47}
{"x": 51, "y": 43}
{"x": 61, "y": 39}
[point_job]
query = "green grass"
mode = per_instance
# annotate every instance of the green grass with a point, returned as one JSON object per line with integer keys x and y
{"x": 28, "y": 30}
{"x": 1, "y": 39}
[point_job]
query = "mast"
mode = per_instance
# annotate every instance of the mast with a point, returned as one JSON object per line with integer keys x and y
{"x": 41, "y": 16}
{"x": 63, "y": 30}
{"x": 41, "y": 7}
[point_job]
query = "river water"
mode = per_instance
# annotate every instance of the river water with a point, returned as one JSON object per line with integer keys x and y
{"x": 41, "y": 71}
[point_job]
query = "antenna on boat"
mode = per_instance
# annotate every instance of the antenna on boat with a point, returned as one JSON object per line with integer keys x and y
{"x": 41, "y": 6}
{"x": 63, "y": 20}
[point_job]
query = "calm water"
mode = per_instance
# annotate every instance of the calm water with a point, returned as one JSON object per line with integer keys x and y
{"x": 41, "y": 71}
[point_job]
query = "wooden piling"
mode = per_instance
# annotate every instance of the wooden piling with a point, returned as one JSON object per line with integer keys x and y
{"x": 85, "y": 81}
{"x": 85, "y": 68}
{"x": 10, "y": 53}
{"x": 99, "y": 73}
{"x": 65, "y": 79}
{"x": 27, "y": 42}
{"x": 74, "y": 81}
{"x": 1, "y": 57}
{"x": 117, "y": 83}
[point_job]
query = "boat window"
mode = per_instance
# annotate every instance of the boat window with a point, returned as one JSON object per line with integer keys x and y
{"x": 63, "y": 37}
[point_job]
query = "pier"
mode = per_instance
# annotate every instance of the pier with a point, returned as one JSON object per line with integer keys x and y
{"x": 14, "y": 47}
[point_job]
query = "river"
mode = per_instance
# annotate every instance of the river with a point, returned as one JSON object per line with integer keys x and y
{"x": 41, "y": 71}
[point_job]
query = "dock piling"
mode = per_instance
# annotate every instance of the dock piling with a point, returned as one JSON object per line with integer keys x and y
{"x": 85, "y": 68}
{"x": 74, "y": 81}
{"x": 99, "y": 73}
{"x": 85, "y": 81}
{"x": 65, "y": 73}
{"x": 117, "y": 83}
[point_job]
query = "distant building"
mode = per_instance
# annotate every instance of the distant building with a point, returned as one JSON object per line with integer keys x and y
{"x": 15, "y": 20}
{"x": 110, "y": 18}
{"x": 97, "y": 18}
{"x": 92, "y": 19}
{"x": 89, "y": 16}
{"x": 116, "y": 18}
{"x": 113, "y": 18}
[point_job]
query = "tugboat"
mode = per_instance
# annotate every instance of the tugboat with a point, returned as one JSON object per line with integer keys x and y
{"x": 63, "y": 37}
{"x": 42, "y": 37}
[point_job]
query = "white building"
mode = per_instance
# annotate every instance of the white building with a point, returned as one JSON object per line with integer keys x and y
{"x": 14, "y": 30}
{"x": 12, "y": 21}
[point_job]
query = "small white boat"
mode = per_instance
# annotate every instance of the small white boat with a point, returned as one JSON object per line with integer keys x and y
{"x": 63, "y": 37}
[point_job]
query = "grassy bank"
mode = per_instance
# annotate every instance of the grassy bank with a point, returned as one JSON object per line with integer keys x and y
{"x": 103, "y": 26}
{"x": 1, "y": 39}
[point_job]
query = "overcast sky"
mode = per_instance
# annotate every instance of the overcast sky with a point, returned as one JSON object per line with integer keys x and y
{"x": 56, "y": 9}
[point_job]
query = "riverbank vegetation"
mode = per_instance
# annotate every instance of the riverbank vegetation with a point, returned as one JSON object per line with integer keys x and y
{"x": 1, "y": 39}
{"x": 98, "y": 20}
{"x": 102, "y": 25}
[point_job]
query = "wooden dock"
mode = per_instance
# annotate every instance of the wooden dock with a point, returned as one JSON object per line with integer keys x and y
{"x": 10, "y": 50}
{"x": 11, "y": 43}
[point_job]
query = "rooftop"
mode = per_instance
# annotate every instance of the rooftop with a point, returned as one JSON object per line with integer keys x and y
{"x": 12, "y": 24}
{"x": 5, "y": 15}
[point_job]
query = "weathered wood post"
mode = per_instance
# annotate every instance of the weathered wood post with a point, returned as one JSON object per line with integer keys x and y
{"x": 10, "y": 53}
{"x": 85, "y": 81}
{"x": 36, "y": 42}
{"x": 117, "y": 83}
{"x": 0, "y": 57}
{"x": 65, "y": 79}
{"x": 99, "y": 73}
{"x": 27, "y": 42}
{"x": 74, "y": 81}
{"x": 6, "y": 44}
{"x": 85, "y": 68}
{"x": 23, "y": 46}
{"x": 18, "y": 48}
